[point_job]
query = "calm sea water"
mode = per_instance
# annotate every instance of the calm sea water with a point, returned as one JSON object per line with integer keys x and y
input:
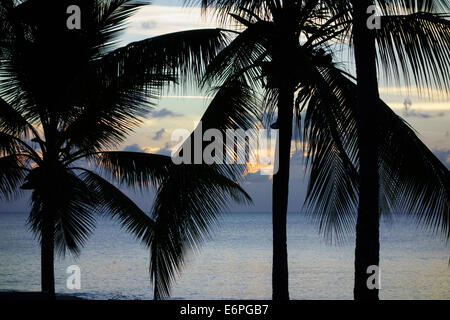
{"x": 234, "y": 264}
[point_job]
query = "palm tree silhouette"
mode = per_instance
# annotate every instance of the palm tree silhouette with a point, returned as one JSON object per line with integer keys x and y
{"x": 412, "y": 42}
{"x": 284, "y": 51}
{"x": 67, "y": 100}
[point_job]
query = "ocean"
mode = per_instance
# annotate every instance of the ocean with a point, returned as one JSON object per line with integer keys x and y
{"x": 234, "y": 264}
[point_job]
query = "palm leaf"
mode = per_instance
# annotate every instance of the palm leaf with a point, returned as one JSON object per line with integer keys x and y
{"x": 12, "y": 122}
{"x": 416, "y": 181}
{"x": 413, "y": 180}
{"x": 221, "y": 9}
{"x": 12, "y": 175}
{"x": 416, "y": 47}
{"x": 329, "y": 141}
{"x": 410, "y": 6}
{"x": 111, "y": 201}
{"x": 242, "y": 58}
{"x": 73, "y": 210}
{"x": 182, "y": 55}
{"x": 111, "y": 19}
{"x": 137, "y": 170}
{"x": 187, "y": 204}
{"x": 234, "y": 107}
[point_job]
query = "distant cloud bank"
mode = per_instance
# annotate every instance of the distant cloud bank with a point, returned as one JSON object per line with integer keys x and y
{"x": 164, "y": 113}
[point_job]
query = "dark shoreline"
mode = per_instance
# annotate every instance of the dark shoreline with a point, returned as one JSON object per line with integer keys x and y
{"x": 32, "y": 296}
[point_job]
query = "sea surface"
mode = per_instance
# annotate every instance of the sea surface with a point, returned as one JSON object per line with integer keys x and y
{"x": 234, "y": 264}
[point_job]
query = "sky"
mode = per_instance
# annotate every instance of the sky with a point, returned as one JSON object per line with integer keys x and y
{"x": 179, "y": 109}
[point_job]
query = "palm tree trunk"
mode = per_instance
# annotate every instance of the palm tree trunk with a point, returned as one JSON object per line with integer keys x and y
{"x": 280, "y": 191}
{"x": 47, "y": 255}
{"x": 367, "y": 249}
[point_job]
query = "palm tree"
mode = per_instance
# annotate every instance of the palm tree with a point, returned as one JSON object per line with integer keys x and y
{"x": 284, "y": 50}
{"x": 404, "y": 46}
{"x": 67, "y": 100}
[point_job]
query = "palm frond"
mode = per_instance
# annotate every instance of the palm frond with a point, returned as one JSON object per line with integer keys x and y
{"x": 108, "y": 116}
{"x": 71, "y": 209}
{"x": 221, "y": 9}
{"x": 111, "y": 201}
{"x": 415, "y": 181}
{"x": 242, "y": 58}
{"x": 415, "y": 48}
{"x": 12, "y": 175}
{"x": 411, "y": 6}
{"x": 181, "y": 55}
{"x": 235, "y": 106}
{"x": 187, "y": 204}
{"x": 137, "y": 170}
{"x": 329, "y": 140}
{"x": 12, "y": 122}
{"x": 112, "y": 16}
{"x": 8, "y": 144}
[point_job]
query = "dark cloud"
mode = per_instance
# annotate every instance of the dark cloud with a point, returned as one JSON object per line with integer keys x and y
{"x": 164, "y": 113}
{"x": 423, "y": 115}
{"x": 133, "y": 148}
{"x": 158, "y": 134}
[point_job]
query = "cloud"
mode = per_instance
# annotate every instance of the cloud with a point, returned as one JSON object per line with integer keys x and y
{"x": 423, "y": 115}
{"x": 408, "y": 112}
{"x": 164, "y": 18}
{"x": 165, "y": 151}
{"x": 413, "y": 91}
{"x": 443, "y": 155}
{"x": 164, "y": 113}
{"x": 133, "y": 148}
{"x": 159, "y": 134}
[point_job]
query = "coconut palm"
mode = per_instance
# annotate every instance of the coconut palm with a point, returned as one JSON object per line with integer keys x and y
{"x": 413, "y": 41}
{"x": 67, "y": 100}
{"x": 284, "y": 48}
